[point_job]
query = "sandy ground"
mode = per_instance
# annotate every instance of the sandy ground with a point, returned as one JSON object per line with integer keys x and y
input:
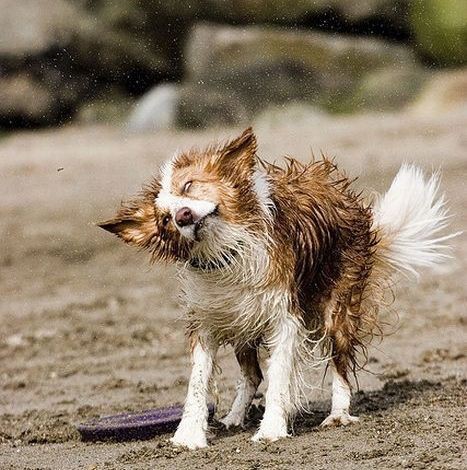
{"x": 88, "y": 328}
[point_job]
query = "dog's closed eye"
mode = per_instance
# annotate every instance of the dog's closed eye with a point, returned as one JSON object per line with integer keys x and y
{"x": 186, "y": 187}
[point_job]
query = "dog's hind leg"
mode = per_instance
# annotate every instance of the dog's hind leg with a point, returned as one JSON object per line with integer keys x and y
{"x": 247, "y": 357}
{"x": 342, "y": 325}
{"x": 340, "y": 400}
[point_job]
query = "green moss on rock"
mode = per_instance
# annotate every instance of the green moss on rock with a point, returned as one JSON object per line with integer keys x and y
{"x": 440, "y": 28}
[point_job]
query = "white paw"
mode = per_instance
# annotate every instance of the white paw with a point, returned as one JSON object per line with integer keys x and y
{"x": 271, "y": 430}
{"x": 341, "y": 418}
{"x": 269, "y": 436}
{"x": 232, "y": 420}
{"x": 191, "y": 437}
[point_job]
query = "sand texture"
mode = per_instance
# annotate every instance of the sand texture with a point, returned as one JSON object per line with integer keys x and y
{"x": 88, "y": 328}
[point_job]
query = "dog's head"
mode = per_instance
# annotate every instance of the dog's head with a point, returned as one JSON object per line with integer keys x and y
{"x": 201, "y": 205}
{"x": 139, "y": 222}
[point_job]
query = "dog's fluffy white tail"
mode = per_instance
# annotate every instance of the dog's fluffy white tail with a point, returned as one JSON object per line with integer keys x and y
{"x": 409, "y": 219}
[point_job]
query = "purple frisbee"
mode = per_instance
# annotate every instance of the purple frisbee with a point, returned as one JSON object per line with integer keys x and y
{"x": 132, "y": 426}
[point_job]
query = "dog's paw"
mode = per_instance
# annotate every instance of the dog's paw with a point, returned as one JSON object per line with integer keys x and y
{"x": 232, "y": 420}
{"x": 268, "y": 436}
{"x": 271, "y": 430}
{"x": 189, "y": 437}
{"x": 339, "y": 419}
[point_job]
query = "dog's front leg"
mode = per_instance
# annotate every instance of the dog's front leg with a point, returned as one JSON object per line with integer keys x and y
{"x": 191, "y": 431}
{"x": 279, "y": 402}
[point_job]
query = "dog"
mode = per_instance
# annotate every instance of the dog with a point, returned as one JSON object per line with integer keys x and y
{"x": 288, "y": 259}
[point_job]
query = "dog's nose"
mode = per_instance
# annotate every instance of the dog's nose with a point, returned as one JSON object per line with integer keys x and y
{"x": 184, "y": 217}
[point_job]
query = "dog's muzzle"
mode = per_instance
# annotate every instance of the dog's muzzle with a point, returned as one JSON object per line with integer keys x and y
{"x": 189, "y": 223}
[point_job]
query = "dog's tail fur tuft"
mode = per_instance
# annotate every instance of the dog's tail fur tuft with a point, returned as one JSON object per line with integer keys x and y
{"x": 409, "y": 220}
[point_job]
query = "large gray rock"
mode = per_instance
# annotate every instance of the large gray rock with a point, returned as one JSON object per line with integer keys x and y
{"x": 162, "y": 26}
{"x": 260, "y": 66}
{"x": 386, "y": 90}
{"x": 201, "y": 107}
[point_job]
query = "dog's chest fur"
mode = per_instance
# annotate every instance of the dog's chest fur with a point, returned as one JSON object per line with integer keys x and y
{"x": 233, "y": 312}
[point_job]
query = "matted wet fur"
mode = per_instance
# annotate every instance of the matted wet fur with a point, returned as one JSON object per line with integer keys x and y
{"x": 289, "y": 258}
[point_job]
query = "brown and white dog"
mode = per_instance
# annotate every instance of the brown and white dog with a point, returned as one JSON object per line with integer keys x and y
{"x": 289, "y": 259}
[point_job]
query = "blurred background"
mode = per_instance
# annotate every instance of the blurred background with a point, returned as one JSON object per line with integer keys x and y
{"x": 152, "y": 64}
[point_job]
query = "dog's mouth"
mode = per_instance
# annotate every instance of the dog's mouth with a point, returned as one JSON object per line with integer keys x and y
{"x": 201, "y": 223}
{"x": 224, "y": 260}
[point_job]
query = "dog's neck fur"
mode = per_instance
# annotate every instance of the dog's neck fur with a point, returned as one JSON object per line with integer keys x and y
{"x": 222, "y": 300}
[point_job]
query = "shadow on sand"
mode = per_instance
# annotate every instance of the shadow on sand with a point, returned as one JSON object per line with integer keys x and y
{"x": 392, "y": 395}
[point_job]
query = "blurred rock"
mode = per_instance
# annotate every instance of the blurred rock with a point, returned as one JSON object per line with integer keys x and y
{"x": 255, "y": 67}
{"x": 386, "y": 90}
{"x": 23, "y": 99}
{"x": 185, "y": 106}
{"x": 56, "y": 25}
{"x": 203, "y": 107}
{"x": 445, "y": 92}
{"x": 156, "y": 110}
{"x": 67, "y": 57}
{"x": 30, "y": 27}
{"x": 151, "y": 27}
{"x": 63, "y": 52}
{"x": 440, "y": 28}
{"x": 111, "y": 107}
{"x": 394, "y": 11}
{"x": 291, "y": 12}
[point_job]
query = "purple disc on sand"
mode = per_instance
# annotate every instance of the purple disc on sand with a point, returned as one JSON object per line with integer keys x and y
{"x": 131, "y": 426}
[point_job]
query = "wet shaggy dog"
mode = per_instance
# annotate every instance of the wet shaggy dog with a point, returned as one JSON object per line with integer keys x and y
{"x": 289, "y": 259}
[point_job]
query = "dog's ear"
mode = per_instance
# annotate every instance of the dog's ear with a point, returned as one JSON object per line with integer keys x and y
{"x": 239, "y": 155}
{"x": 136, "y": 220}
{"x": 134, "y": 223}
